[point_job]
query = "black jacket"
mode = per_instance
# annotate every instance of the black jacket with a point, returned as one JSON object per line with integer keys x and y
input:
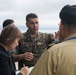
{"x": 7, "y": 66}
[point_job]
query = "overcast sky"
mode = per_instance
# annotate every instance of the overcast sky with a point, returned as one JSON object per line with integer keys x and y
{"x": 47, "y": 11}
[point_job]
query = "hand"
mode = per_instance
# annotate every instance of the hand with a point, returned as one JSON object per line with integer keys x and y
{"x": 24, "y": 70}
{"x": 57, "y": 35}
{"x": 28, "y": 56}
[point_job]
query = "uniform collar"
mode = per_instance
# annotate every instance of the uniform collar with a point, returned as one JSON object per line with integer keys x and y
{"x": 70, "y": 36}
{"x": 29, "y": 33}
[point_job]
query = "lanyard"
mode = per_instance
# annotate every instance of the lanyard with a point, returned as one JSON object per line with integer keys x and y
{"x": 71, "y": 38}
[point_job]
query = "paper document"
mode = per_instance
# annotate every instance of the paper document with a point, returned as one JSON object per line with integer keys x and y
{"x": 28, "y": 72}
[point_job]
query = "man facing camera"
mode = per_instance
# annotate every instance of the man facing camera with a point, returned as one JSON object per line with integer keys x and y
{"x": 33, "y": 43}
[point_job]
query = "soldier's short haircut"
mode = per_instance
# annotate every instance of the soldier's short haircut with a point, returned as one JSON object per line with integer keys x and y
{"x": 31, "y": 15}
{"x": 7, "y": 22}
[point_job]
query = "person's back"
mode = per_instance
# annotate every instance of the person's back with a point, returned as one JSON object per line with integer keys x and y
{"x": 58, "y": 60}
{"x": 63, "y": 56}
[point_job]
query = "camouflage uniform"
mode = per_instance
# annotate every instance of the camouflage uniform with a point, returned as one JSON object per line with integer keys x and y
{"x": 37, "y": 45}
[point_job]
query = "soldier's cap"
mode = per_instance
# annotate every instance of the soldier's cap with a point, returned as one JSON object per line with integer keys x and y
{"x": 68, "y": 14}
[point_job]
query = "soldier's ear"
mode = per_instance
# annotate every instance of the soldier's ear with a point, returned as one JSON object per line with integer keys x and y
{"x": 27, "y": 24}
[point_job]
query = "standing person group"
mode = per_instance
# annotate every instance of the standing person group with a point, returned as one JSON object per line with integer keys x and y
{"x": 57, "y": 60}
{"x": 60, "y": 59}
{"x": 33, "y": 43}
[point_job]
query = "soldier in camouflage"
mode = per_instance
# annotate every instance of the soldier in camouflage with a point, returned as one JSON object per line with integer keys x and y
{"x": 33, "y": 43}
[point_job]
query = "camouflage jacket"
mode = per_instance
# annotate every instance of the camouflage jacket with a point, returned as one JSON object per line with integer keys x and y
{"x": 37, "y": 45}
